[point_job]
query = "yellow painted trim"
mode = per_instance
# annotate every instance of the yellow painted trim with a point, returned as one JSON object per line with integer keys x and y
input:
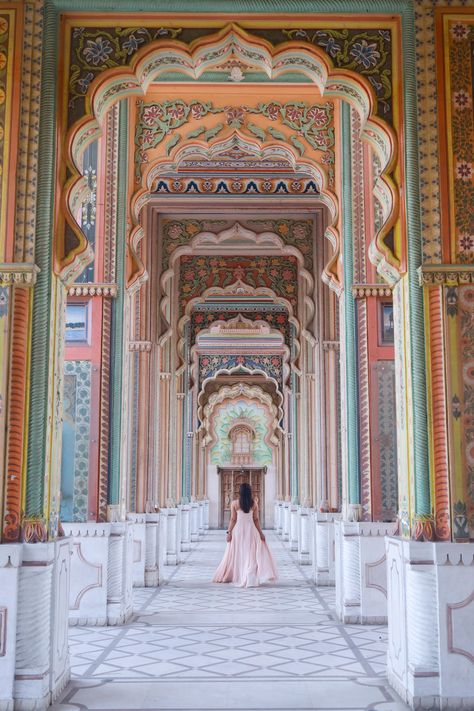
{"x": 456, "y": 423}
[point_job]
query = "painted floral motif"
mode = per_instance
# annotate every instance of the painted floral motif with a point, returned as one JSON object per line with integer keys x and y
{"x": 368, "y": 52}
{"x": 272, "y": 365}
{"x": 4, "y": 89}
{"x": 461, "y": 57}
{"x": 280, "y": 274}
{"x": 96, "y": 49}
{"x": 241, "y": 411}
{"x": 298, "y": 233}
{"x": 313, "y": 123}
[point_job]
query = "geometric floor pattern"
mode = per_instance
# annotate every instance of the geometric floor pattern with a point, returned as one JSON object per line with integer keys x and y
{"x": 192, "y": 645}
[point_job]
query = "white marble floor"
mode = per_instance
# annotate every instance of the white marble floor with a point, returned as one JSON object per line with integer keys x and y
{"x": 192, "y": 645}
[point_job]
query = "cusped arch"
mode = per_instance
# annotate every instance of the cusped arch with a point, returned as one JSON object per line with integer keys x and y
{"x": 232, "y": 392}
{"x": 165, "y": 55}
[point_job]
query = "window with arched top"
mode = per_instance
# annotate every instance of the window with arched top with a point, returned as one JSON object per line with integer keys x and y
{"x": 242, "y": 437}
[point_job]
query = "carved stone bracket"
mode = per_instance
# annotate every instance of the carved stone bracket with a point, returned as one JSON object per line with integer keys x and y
{"x": 331, "y": 345}
{"x": 18, "y": 274}
{"x": 110, "y": 290}
{"x": 362, "y": 291}
{"x": 446, "y": 274}
{"x": 140, "y": 346}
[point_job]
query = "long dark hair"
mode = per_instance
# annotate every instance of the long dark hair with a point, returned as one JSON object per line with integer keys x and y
{"x": 245, "y": 497}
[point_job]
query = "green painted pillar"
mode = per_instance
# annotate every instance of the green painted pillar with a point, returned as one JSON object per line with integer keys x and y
{"x": 416, "y": 306}
{"x": 352, "y": 400}
{"x": 117, "y": 330}
{"x": 42, "y": 297}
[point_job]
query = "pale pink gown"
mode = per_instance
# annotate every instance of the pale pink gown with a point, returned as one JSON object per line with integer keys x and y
{"x": 247, "y": 561}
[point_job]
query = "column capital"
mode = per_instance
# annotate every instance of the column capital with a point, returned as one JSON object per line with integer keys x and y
{"x": 18, "y": 274}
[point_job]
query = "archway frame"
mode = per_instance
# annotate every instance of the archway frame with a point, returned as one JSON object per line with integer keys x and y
{"x": 40, "y": 473}
{"x": 163, "y": 56}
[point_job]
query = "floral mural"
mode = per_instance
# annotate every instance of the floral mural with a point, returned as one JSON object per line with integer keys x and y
{"x": 271, "y": 364}
{"x": 94, "y": 49}
{"x": 241, "y": 411}
{"x": 312, "y": 123}
{"x": 461, "y": 59}
{"x": 280, "y": 274}
{"x": 297, "y": 233}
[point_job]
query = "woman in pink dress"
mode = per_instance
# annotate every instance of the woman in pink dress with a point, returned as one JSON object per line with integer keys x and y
{"x": 247, "y": 561}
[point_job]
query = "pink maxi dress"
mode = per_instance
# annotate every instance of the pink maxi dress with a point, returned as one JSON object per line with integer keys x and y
{"x": 247, "y": 561}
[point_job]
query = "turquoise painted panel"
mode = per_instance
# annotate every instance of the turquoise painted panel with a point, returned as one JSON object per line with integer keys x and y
{"x": 241, "y": 410}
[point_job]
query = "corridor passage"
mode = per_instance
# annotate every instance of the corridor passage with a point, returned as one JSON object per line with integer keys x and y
{"x": 195, "y": 645}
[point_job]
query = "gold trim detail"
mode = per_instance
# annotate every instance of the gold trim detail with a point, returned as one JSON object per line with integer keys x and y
{"x": 361, "y": 291}
{"x": 18, "y": 274}
{"x": 446, "y": 274}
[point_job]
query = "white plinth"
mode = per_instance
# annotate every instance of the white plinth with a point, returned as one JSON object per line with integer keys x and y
{"x": 361, "y": 572}
{"x": 10, "y": 562}
{"x": 152, "y": 550}
{"x": 201, "y": 518}
{"x": 324, "y": 559}
{"x": 185, "y": 527}
{"x": 102, "y": 572}
{"x": 304, "y": 535}
{"x": 138, "y": 521}
{"x": 163, "y": 542}
{"x": 280, "y": 518}
{"x": 286, "y": 521}
{"x": 294, "y": 528}
{"x": 42, "y": 654}
{"x": 194, "y": 521}
{"x": 431, "y": 623}
{"x": 206, "y": 514}
{"x": 171, "y": 539}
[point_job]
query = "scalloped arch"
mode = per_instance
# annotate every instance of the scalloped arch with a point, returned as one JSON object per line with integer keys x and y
{"x": 206, "y": 53}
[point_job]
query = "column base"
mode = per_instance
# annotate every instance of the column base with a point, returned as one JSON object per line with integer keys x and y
{"x": 304, "y": 535}
{"x": 101, "y": 573}
{"x": 138, "y": 521}
{"x": 41, "y": 657}
{"x": 324, "y": 562}
{"x": 361, "y": 571}
{"x": 430, "y": 602}
{"x": 152, "y": 550}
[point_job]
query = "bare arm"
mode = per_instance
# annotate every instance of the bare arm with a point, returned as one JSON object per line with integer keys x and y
{"x": 256, "y": 521}
{"x": 233, "y": 521}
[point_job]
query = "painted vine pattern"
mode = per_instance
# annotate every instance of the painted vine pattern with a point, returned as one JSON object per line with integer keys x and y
{"x": 271, "y": 364}
{"x": 312, "y": 123}
{"x": 367, "y": 52}
{"x": 280, "y": 274}
{"x": 297, "y": 233}
{"x": 93, "y": 49}
{"x": 461, "y": 56}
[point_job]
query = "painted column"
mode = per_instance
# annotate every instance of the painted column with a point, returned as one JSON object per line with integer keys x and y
{"x": 353, "y": 474}
{"x": 194, "y": 521}
{"x": 118, "y": 311}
